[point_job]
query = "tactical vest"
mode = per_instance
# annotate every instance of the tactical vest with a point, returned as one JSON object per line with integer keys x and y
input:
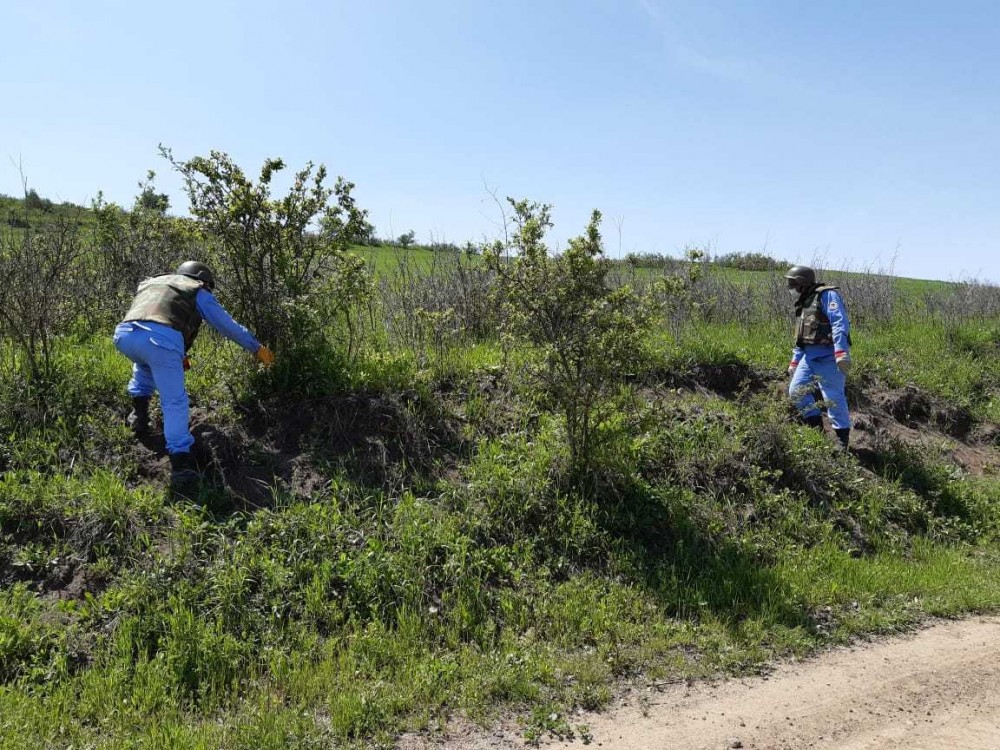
{"x": 170, "y": 300}
{"x": 813, "y": 326}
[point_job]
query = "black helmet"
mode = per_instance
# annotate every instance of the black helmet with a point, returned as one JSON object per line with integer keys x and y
{"x": 197, "y": 270}
{"x": 803, "y": 276}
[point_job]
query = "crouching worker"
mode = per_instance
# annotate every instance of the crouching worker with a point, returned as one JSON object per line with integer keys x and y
{"x": 156, "y": 334}
{"x": 822, "y": 353}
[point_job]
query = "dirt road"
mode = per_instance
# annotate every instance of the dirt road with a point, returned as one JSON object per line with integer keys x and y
{"x": 936, "y": 689}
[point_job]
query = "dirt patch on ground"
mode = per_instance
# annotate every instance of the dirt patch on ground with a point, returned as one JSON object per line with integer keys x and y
{"x": 939, "y": 688}
{"x": 381, "y": 441}
{"x": 60, "y": 578}
{"x": 728, "y": 380}
{"x": 914, "y": 408}
{"x": 63, "y": 575}
{"x": 906, "y": 414}
{"x": 82, "y": 581}
{"x": 913, "y": 417}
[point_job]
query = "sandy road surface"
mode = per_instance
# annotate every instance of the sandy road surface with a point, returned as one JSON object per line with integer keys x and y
{"x": 934, "y": 690}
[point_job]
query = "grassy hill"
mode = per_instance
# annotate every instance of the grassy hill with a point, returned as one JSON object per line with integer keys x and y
{"x": 41, "y": 212}
{"x": 396, "y": 539}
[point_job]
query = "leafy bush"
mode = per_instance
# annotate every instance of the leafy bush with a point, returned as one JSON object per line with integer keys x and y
{"x": 407, "y": 239}
{"x": 586, "y": 336}
{"x": 132, "y": 245}
{"x": 149, "y": 199}
{"x": 279, "y": 269}
{"x": 34, "y": 202}
{"x": 751, "y": 262}
{"x": 657, "y": 261}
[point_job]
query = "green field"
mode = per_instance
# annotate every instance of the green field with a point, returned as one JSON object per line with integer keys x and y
{"x": 389, "y": 535}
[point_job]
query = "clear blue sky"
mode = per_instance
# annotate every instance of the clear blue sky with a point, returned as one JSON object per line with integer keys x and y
{"x": 861, "y": 130}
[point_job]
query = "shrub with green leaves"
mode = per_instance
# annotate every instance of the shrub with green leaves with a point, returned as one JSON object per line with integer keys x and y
{"x": 585, "y": 335}
{"x": 131, "y": 245}
{"x": 279, "y": 258}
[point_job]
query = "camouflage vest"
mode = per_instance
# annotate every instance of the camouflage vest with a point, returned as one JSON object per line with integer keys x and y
{"x": 813, "y": 326}
{"x": 169, "y": 300}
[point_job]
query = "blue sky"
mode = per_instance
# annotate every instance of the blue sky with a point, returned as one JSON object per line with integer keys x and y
{"x": 860, "y": 133}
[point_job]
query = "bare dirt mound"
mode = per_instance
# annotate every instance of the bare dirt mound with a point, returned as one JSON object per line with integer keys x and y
{"x": 908, "y": 414}
{"x": 728, "y": 380}
{"x": 915, "y": 418}
{"x": 939, "y": 688}
{"x": 381, "y": 441}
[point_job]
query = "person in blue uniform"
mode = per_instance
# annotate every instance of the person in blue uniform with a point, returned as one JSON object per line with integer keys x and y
{"x": 156, "y": 334}
{"x": 822, "y": 353}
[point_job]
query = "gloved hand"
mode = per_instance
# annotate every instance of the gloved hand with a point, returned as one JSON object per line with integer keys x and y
{"x": 844, "y": 364}
{"x": 187, "y": 363}
{"x": 265, "y": 356}
{"x": 791, "y": 367}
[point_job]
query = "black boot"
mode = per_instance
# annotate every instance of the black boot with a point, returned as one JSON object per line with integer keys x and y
{"x": 844, "y": 436}
{"x": 815, "y": 421}
{"x": 183, "y": 471}
{"x": 138, "y": 420}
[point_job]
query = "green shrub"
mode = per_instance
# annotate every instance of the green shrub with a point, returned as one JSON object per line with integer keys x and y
{"x": 751, "y": 262}
{"x": 283, "y": 262}
{"x": 585, "y": 336}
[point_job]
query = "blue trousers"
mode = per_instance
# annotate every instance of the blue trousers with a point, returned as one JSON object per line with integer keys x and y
{"x": 158, "y": 365}
{"x": 822, "y": 371}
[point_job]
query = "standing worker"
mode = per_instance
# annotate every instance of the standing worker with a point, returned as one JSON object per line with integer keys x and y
{"x": 156, "y": 334}
{"x": 822, "y": 353}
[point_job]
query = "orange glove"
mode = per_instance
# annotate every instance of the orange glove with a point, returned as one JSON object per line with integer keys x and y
{"x": 265, "y": 356}
{"x": 187, "y": 363}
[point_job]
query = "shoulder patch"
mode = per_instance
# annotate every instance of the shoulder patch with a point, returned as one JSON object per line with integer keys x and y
{"x": 833, "y": 305}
